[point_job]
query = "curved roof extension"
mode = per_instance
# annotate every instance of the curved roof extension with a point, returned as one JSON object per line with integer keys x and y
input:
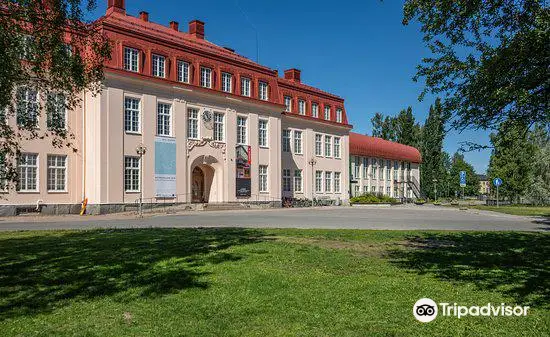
{"x": 361, "y": 145}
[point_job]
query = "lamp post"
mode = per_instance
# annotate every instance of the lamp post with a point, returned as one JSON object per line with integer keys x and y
{"x": 435, "y": 189}
{"x": 140, "y": 150}
{"x": 312, "y": 162}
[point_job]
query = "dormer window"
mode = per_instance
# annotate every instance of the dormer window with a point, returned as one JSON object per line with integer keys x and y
{"x": 288, "y": 104}
{"x": 262, "y": 90}
{"x": 339, "y": 115}
{"x": 302, "y": 107}
{"x": 226, "y": 82}
{"x": 206, "y": 77}
{"x": 131, "y": 59}
{"x": 159, "y": 66}
{"x": 245, "y": 86}
{"x": 315, "y": 110}
{"x": 327, "y": 112}
{"x": 183, "y": 72}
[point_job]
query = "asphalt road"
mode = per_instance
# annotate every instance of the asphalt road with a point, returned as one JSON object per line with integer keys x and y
{"x": 392, "y": 218}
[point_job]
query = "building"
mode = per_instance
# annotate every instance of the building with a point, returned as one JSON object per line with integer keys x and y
{"x": 180, "y": 119}
{"x": 484, "y": 184}
{"x": 382, "y": 167}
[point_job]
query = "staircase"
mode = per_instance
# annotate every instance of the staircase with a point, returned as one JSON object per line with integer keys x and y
{"x": 415, "y": 186}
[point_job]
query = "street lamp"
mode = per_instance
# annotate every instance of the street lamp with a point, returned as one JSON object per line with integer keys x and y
{"x": 141, "y": 149}
{"x": 435, "y": 189}
{"x": 312, "y": 162}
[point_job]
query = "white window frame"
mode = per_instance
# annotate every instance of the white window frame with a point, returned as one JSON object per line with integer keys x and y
{"x": 206, "y": 77}
{"x": 263, "y": 91}
{"x": 25, "y": 169}
{"x": 302, "y": 107}
{"x": 318, "y": 145}
{"x": 298, "y": 181}
{"x": 164, "y": 119}
{"x": 54, "y": 171}
{"x": 318, "y": 181}
{"x": 263, "y": 179}
{"x": 132, "y": 115}
{"x": 327, "y": 112}
{"x": 298, "y": 142}
{"x": 286, "y": 135}
{"x": 219, "y": 127}
{"x": 365, "y": 167}
{"x": 288, "y": 104}
{"x": 245, "y": 87}
{"x": 339, "y": 115}
{"x": 227, "y": 82}
{"x": 28, "y": 104}
{"x": 374, "y": 167}
{"x": 55, "y": 106}
{"x": 133, "y": 172}
{"x": 263, "y": 126}
{"x": 337, "y": 182}
{"x": 388, "y": 169}
{"x": 183, "y": 71}
{"x": 315, "y": 110}
{"x": 131, "y": 59}
{"x": 328, "y": 146}
{"x": 328, "y": 182}
{"x": 193, "y": 126}
{"x": 242, "y": 134}
{"x": 159, "y": 65}
{"x": 337, "y": 148}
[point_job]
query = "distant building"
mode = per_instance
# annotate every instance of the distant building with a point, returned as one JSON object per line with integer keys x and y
{"x": 484, "y": 184}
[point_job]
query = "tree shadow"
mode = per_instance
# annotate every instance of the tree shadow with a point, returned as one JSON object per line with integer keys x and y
{"x": 514, "y": 264}
{"x": 40, "y": 272}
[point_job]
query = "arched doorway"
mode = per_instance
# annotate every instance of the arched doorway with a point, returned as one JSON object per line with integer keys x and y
{"x": 197, "y": 185}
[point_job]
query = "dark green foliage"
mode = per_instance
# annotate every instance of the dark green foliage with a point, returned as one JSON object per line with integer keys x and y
{"x": 432, "y": 166}
{"x": 472, "y": 180}
{"x": 371, "y": 198}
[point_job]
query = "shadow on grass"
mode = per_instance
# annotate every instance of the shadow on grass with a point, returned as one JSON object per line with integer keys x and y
{"x": 39, "y": 272}
{"x": 515, "y": 264}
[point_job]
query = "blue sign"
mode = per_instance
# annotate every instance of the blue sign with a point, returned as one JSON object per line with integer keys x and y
{"x": 497, "y": 182}
{"x": 462, "y": 178}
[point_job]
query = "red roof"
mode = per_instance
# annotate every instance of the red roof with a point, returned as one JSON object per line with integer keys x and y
{"x": 380, "y": 148}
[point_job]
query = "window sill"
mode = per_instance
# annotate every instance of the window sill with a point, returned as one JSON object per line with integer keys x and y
{"x": 28, "y": 192}
{"x": 166, "y": 136}
{"x": 264, "y": 147}
{"x": 132, "y": 192}
{"x": 133, "y": 133}
{"x": 58, "y": 192}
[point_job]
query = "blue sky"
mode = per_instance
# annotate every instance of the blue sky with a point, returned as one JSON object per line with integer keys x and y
{"x": 359, "y": 51}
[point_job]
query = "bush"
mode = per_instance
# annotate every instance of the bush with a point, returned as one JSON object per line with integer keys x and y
{"x": 371, "y": 198}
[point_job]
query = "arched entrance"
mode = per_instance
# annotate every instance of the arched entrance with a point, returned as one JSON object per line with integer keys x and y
{"x": 197, "y": 185}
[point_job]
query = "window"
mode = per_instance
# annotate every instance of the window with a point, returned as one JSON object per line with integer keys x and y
{"x": 388, "y": 191}
{"x": 357, "y": 170}
{"x": 263, "y": 178}
{"x": 164, "y": 119}
{"x": 226, "y": 82}
{"x": 183, "y": 72}
{"x": 365, "y": 189}
{"x": 193, "y": 123}
{"x": 55, "y": 111}
{"x": 327, "y": 113}
{"x": 328, "y": 146}
{"x": 206, "y": 77}
{"x": 374, "y": 167}
{"x": 318, "y": 145}
{"x": 328, "y": 182}
{"x": 241, "y": 130}
{"x": 373, "y": 189}
{"x": 28, "y": 169}
{"x": 262, "y": 132}
{"x": 288, "y": 104}
{"x": 286, "y": 141}
{"x": 339, "y": 115}
{"x": 131, "y": 114}
{"x": 337, "y": 182}
{"x": 365, "y": 168}
{"x": 388, "y": 170}
{"x": 57, "y": 167}
{"x": 245, "y": 86}
{"x": 336, "y": 147}
{"x": 262, "y": 89}
{"x": 315, "y": 110}
{"x": 27, "y": 107}
{"x": 318, "y": 181}
{"x": 131, "y": 174}
{"x": 395, "y": 170}
{"x": 286, "y": 181}
{"x": 302, "y": 107}
{"x": 297, "y": 142}
{"x": 298, "y": 180}
{"x": 219, "y": 127}
{"x": 159, "y": 65}
{"x": 131, "y": 59}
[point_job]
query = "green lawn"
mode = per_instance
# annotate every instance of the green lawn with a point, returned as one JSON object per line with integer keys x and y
{"x": 245, "y": 282}
{"x": 518, "y": 210}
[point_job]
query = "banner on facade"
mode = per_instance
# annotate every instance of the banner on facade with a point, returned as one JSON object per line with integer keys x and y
{"x": 242, "y": 164}
{"x": 165, "y": 167}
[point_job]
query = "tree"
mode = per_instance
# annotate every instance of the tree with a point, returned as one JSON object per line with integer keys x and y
{"x": 539, "y": 184}
{"x": 383, "y": 127}
{"x": 458, "y": 163}
{"x": 489, "y": 59}
{"x": 49, "y": 55}
{"x": 511, "y": 159}
{"x": 432, "y": 149}
{"x": 407, "y": 131}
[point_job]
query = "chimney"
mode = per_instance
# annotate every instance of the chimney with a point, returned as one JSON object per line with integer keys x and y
{"x": 144, "y": 16}
{"x": 116, "y": 6}
{"x": 196, "y": 28}
{"x": 293, "y": 75}
{"x": 174, "y": 25}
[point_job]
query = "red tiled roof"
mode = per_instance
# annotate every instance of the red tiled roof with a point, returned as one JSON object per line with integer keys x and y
{"x": 377, "y": 147}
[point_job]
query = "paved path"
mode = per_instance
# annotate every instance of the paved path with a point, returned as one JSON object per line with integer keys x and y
{"x": 393, "y": 218}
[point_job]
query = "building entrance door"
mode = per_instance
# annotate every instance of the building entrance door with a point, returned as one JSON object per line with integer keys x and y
{"x": 197, "y": 185}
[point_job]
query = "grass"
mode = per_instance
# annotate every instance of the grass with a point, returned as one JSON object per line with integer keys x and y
{"x": 244, "y": 282}
{"x": 543, "y": 211}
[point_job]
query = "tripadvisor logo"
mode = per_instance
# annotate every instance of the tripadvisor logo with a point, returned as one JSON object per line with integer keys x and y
{"x": 426, "y": 310}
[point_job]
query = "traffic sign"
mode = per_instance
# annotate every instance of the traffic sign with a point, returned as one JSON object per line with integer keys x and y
{"x": 462, "y": 178}
{"x": 497, "y": 182}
